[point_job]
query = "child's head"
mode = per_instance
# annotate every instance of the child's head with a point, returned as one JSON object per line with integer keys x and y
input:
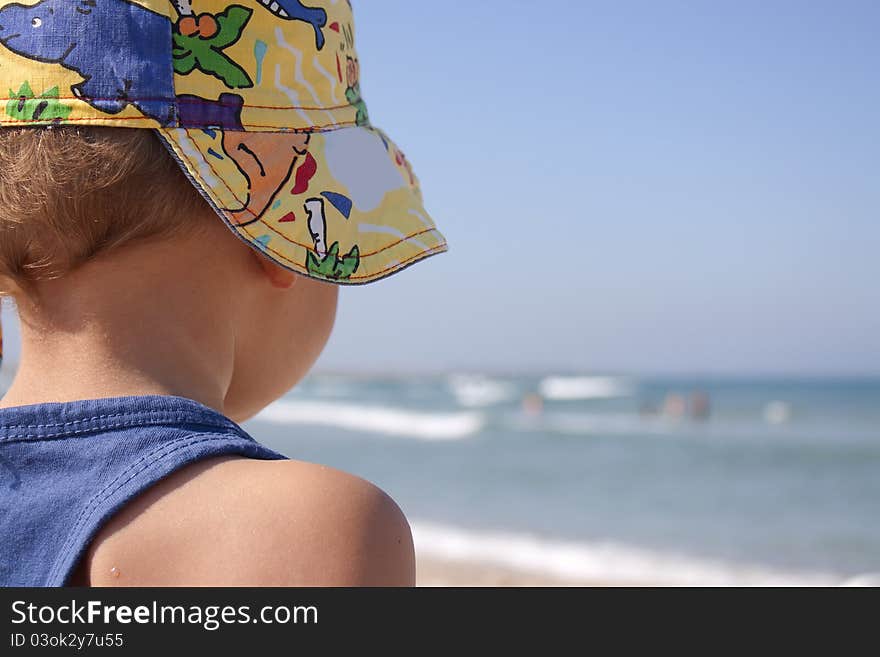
{"x": 98, "y": 223}
{"x": 180, "y": 183}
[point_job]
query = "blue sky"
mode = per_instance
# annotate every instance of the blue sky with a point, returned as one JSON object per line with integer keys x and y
{"x": 664, "y": 187}
{"x": 629, "y": 186}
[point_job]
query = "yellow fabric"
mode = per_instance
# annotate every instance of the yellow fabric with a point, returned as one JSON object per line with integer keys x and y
{"x": 259, "y": 103}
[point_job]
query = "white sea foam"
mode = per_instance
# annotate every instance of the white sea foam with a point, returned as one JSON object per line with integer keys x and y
{"x": 870, "y": 580}
{"x": 777, "y": 412}
{"x": 583, "y": 387}
{"x": 375, "y": 419}
{"x": 480, "y": 391}
{"x": 597, "y": 562}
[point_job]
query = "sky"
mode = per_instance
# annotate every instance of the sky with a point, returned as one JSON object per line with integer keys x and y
{"x": 664, "y": 187}
{"x": 640, "y": 187}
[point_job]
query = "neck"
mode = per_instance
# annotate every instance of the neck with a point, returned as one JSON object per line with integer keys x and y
{"x": 114, "y": 333}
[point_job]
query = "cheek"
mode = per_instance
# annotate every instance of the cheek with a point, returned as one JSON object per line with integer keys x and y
{"x": 321, "y": 300}
{"x": 296, "y": 328}
{"x": 282, "y": 342}
{"x": 306, "y": 337}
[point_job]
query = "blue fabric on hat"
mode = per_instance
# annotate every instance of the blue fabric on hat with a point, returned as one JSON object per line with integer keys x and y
{"x": 123, "y": 50}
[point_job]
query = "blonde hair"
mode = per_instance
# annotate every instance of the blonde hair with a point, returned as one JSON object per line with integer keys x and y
{"x": 69, "y": 193}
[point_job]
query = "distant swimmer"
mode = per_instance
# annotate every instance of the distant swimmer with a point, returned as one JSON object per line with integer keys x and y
{"x": 700, "y": 406}
{"x": 674, "y": 406}
{"x": 533, "y": 404}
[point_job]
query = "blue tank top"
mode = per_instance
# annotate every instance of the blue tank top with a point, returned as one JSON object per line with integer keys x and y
{"x": 66, "y": 468}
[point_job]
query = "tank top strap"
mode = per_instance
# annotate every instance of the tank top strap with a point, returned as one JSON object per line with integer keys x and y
{"x": 67, "y": 468}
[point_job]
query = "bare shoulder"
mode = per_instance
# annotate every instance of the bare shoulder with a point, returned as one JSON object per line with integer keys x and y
{"x": 237, "y": 522}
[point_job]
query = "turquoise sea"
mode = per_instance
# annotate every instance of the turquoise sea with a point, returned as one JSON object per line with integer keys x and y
{"x": 620, "y": 479}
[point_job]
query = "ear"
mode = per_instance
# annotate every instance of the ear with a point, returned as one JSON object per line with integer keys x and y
{"x": 278, "y": 276}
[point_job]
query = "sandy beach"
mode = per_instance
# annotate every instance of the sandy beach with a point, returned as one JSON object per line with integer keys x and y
{"x": 434, "y": 572}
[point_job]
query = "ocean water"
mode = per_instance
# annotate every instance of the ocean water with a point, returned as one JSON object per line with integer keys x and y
{"x": 611, "y": 479}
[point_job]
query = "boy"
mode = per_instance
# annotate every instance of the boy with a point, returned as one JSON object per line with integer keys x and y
{"x": 150, "y": 327}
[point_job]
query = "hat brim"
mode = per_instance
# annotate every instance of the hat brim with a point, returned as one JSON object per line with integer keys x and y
{"x": 341, "y": 206}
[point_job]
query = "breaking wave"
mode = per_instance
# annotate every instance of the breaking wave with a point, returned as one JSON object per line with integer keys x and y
{"x": 561, "y": 388}
{"x": 375, "y": 419}
{"x": 602, "y": 563}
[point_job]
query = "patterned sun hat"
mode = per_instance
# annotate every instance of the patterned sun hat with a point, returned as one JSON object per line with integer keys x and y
{"x": 259, "y": 102}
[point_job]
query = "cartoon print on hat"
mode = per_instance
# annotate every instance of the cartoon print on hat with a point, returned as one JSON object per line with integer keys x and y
{"x": 258, "y": 100}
